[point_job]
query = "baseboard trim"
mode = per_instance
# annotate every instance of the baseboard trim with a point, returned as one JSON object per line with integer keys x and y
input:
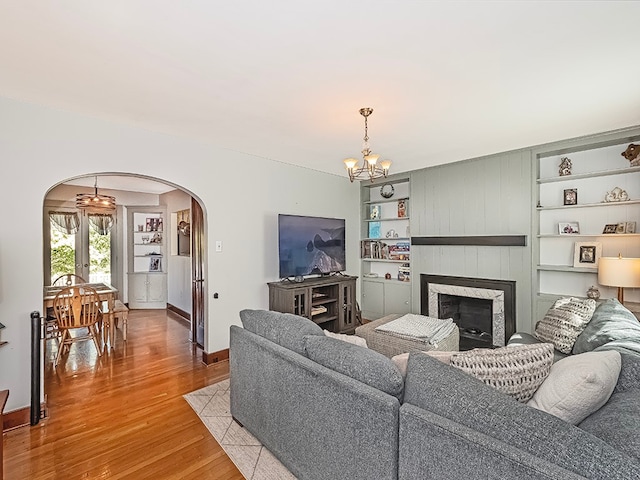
{"x": 215, "y": 357}
{"x": 21, "y": 417}
{"x": 179, "y": 311}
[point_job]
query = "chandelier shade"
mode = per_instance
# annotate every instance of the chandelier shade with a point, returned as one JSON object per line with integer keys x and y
{"x": 370, "y": 168}
{"x": 95, "y": 202}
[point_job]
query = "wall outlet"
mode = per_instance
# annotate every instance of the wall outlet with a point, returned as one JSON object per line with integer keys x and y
{"x": 218, "y": 245}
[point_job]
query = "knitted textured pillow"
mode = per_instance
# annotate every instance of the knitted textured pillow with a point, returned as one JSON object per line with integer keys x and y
{"x": 564, "y": 321}
{"x": 517, "y": 371}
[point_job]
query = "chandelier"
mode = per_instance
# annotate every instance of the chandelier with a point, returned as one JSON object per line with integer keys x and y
{"x": 95, "y": 202}
{"x": 370, "y": 167}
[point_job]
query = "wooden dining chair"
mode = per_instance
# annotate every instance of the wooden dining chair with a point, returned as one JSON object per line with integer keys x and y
{"x": 77, "y": 307}
{"x": 51, "y": 324}
{"x": 68, "y": 279}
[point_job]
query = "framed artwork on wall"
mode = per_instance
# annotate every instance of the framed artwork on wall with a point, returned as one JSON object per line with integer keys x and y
{"x": 587, "y": 254}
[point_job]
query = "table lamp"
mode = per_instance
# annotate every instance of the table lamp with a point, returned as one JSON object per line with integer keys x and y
{"x": 619, "y": 272}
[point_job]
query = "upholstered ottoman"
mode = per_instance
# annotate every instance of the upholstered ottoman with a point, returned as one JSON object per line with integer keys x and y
{"x": 391, "y": 345}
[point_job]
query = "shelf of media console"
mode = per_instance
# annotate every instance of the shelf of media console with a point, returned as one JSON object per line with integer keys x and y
{"x": 384, "y": 260}
{"x": 590, "y": 235}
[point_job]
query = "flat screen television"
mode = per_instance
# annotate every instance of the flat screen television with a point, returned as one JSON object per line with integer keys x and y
{"x": 310, "y": 245}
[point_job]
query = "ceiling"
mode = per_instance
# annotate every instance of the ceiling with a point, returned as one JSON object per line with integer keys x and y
{"x": 284, "y": 80}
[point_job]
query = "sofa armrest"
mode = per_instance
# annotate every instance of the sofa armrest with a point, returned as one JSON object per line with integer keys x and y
{"x": 435, "y": 447}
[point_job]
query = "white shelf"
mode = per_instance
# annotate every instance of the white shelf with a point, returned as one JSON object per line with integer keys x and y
{"x": 387, "y": 219}
{"x": 384, "y": 260}
{"x": 395, "y": 239}
{"x": 566, "y": 268}
{"x": 591, "y": 235}
{"x": 590, "y": 205}
{"x": 580, "y": 176}
{"x": 389, "y": 200}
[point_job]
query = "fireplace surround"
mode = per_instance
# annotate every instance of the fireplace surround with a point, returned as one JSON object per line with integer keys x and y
{"x": 483, "y": 309}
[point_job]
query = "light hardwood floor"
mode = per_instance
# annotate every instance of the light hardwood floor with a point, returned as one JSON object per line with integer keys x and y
{"x": 122, "y": 415}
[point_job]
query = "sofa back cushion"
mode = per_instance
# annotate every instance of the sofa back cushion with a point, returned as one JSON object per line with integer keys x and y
{"x": 611, "y": 321}
{"x": 285, "y": 329}
{"x": 359, "y": 363}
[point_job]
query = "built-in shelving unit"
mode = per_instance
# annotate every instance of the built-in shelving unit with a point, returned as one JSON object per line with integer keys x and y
{"x": 146, "y": 262}
{"x": 385, "y": 247}
{"x": 597, "y": 169}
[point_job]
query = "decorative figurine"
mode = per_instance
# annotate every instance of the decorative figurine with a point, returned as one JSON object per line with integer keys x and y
{"x": 616, "y": 195}
{"x": 632, "y": 153}
{"x": 593, "y": 292}
{"x": 565, "y": 166}
{"x": 387, "y": 276}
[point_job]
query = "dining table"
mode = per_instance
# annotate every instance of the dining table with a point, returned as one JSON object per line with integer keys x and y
{"x": 107, "y": 295}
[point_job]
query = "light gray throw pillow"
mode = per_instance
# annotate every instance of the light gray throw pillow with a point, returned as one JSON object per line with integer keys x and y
{"x": 578, "y": 385}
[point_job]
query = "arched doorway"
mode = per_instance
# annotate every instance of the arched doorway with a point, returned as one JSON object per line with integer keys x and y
{"x": 132, "y": 191}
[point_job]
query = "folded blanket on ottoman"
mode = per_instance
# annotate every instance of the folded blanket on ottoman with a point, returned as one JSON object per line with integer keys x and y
{"x": 428, "y": 329}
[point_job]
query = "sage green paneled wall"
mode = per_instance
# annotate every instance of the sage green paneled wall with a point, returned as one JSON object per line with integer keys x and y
{"x": 485, "y": 196}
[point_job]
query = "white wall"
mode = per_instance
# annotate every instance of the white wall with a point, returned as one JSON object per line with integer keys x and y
{"x": 241, "y": 195}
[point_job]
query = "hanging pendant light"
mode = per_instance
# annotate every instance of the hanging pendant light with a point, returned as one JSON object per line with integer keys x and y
{"x": 370, "y": 168}
{"x": 95, "y": 202}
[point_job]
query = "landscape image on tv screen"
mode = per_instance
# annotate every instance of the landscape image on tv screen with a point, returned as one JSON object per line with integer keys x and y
{"x": 310, "y": 245}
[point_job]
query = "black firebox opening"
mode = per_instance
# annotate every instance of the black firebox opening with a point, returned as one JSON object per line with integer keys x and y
{"x": 474, "y": 316}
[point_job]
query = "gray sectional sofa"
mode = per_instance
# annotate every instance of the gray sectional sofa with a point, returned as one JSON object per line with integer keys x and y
{"x": 328, "y": 409}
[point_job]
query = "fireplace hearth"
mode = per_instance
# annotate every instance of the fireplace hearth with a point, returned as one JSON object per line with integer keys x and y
{"x": 483, "y": 309}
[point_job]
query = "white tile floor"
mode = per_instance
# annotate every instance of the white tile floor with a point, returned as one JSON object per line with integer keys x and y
{"x": 253, "y": 460}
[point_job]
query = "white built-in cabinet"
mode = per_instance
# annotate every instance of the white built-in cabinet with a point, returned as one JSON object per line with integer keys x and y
{"x": 584, "y": 199}
{"x": 385, "y": 247}
{"x": 146, "y": 257}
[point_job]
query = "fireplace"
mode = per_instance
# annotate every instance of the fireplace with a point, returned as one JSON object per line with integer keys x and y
{"x": 483, "y": 309}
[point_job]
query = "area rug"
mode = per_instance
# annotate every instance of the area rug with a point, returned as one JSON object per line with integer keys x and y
{"x": 253, "y": 460}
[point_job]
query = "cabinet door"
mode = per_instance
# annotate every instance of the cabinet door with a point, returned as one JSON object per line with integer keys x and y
{"x": 397, "y": 298}
{"x": 372, "y": 300}
{"x": 346, "y": 307}
{"x": 157, "y": 288}
{"x": 138, "y": 288}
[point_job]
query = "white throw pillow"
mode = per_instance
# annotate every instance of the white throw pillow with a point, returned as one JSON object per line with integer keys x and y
{"x": 354, "y": 339}
{"x": 564, "y": 321}
{"x": 578, "y": 385}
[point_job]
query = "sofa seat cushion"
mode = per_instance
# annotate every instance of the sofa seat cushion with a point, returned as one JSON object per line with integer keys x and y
{"x": 578, "y": 385}
{"x": 564, "y": 321}
{"x": 612, "y": 323}
{"x": 618, "y": 423}
{"x": 362, "y": 364}
{"x": 285, "y": 329}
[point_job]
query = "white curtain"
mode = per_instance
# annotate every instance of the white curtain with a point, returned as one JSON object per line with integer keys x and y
{"x": 66, "y": 222}
{"x": 101, "y": 222}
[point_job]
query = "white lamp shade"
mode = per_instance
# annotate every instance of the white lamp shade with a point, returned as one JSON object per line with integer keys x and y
{"x": 619, "y": 272}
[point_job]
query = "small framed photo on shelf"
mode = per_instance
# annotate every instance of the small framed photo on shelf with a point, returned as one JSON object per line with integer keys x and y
{"x": 587, "y": 254}
{"x": 568, "y": 228}
{"x": 154, "y": 224}
{"x": 402, "y": 208}
{"x": 621, "y": 227}
{"x": 374, "y": 212}
{"x": 610, "y": 228}
{"x": 631, "y": 227}
{"x": 155, "y": 264}
{"x": 571, "y": 196}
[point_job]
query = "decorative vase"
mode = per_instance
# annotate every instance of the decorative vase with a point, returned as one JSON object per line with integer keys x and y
{"x": 593, "y": 292}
